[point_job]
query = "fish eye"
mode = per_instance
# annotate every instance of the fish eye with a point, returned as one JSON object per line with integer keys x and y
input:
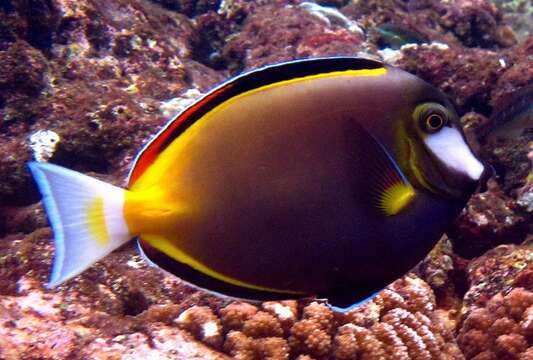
{"x": 431, "y": 117}
{"x": 434, "y": 122}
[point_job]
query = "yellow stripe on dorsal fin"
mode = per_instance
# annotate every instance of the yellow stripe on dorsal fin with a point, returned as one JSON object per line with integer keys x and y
{"x": 395, "y": 198}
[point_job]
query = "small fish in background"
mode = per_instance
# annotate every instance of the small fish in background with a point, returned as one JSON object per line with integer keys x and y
{"x": 508, "y": 138}
{"x": 513, "y": 118}
{"x": 394, "y": 36}
{"x": 326, "y": 177}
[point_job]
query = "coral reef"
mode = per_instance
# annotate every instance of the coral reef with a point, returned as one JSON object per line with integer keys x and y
{"x": 451, "y": 69}
{"x": 400, "y": 323}
{"x": 298, "y": 34}
{"x": 517, "y": 14}
{"x": 203, "y": 324}
{"x": 94, "y": 73}
{"x": 489, "y": 219}
{"x": 501, "y": 329}
{"x": 444, "y": 271}
{"x": 502, "y": 214}
{"x": 58, "y": 326}
{"x": 499, "y": 270}
{"x": 85, "y": 83}
{"x": 458, "y": 22}
{"x": 190, "y": 8}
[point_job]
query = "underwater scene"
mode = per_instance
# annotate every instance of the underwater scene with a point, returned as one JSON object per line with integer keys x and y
{"x": 266, "y": 179}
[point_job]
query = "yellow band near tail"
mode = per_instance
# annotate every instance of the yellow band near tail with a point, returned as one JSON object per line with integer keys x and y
{"x": 96, "y": 221}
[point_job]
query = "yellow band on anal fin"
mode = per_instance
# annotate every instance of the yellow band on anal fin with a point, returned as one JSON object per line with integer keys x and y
{"x": 169, "y": 249}
{"x": 396, "y": 198}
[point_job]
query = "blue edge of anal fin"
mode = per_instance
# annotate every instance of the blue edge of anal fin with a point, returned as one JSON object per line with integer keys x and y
{"x": 355, "y": 305}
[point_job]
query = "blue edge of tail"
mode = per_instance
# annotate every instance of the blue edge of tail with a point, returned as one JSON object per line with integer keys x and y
{"x": 53, "y": 215}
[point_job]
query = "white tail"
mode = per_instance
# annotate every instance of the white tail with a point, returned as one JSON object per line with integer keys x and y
{"x": 86, "y": 215}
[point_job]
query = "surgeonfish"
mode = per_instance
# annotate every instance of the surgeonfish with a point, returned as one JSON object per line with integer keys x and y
{"x": 395, "y": 36}
{"x": 326, "y": 178}
{"x": 512, "y": 119}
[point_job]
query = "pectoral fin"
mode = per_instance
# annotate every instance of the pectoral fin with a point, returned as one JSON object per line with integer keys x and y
{"x": 385, "y": 186}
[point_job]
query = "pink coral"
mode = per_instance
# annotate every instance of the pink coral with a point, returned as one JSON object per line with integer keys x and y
{"x": 242, "y": 347}
{"x": 498, "y": 270}
{"x": 285, "y": 311}
{"x": 312, "y": 334}
{"x": 400, "y": 323}
{"x": 203, "y": 324}
{"x": 321, "y": 314}
{"x": 308, "y": 337}
{"x": 98, "y": 79}
{"x": 262, "y": 324}
{"x": 500, "y": 329}
{"x": 235, "y": 314}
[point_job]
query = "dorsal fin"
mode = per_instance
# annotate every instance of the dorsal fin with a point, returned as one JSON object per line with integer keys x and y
{"x": 233, "y": 87}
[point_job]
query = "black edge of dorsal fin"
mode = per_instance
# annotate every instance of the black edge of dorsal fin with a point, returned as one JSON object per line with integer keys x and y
{"x": 242, "y": 83}
{"x": 300, "y": 68}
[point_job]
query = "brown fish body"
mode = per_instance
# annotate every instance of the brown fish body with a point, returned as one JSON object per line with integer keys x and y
{"x": 274, "y": 177}
{"x": 324, "y": 177}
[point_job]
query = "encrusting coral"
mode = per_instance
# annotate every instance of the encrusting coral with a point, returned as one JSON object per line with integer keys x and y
{"x": 489, "y": 219}
{"x": 499, "y": 270}
{"x": 44, "y": 325}
{"x": 203, "y": 324}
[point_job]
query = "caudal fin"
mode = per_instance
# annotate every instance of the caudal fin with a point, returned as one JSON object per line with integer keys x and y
{"x": 86, "y": 215}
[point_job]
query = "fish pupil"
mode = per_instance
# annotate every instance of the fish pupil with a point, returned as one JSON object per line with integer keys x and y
{"x": 434, "y": 122}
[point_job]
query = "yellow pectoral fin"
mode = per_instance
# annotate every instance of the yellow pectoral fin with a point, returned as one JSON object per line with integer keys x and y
{"x": 165, "y": 246}
{"x": 396, "y": 198}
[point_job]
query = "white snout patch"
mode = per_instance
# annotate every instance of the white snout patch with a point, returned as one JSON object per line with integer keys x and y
{"x": 449, "y": 146}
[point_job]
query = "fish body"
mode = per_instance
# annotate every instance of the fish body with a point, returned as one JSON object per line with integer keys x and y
{"x": 325, "y": 177}
{"x": 395, "y": 36}
{"x": 513, "y": 118}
